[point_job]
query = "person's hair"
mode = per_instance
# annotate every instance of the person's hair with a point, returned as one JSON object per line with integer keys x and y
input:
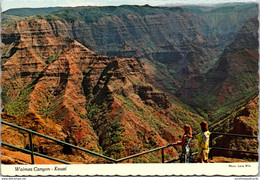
{"x": 204, "y": 126}
{"x": 187, "y": 130}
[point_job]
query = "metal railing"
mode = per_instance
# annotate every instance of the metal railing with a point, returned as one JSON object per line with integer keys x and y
{"x": 146, "y": 152}
{"x": 213, "y": 148}
{"x": 33, "y": 153}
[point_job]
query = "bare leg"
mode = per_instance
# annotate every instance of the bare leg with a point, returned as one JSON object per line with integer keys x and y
{"x": 205, "y": 160}
{"x": 199, "y": 160}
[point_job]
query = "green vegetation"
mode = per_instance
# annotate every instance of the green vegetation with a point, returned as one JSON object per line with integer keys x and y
{"x": 164, "y": 74}
{"x": 93, "y": 14}
{"x": 154, "y": 157}
{"x": 113, "y": 135}
{"x": 110, "y": 130}
{"x": 5, "y": 97}
{"x": 204, "y": 101}
{"x": 67, "y": 15}
{"x": 63, "y": 114}
{"x": 47, "y": 17}
{"x": 19, "y": 107}
{"x": 184, "y": 117}
{"x": 140, "y": 160}
{"x": 25, "y": 12}
{"x": 144, "y": 113}
{"x": 184, "y": 106}
{"x": 234, "y": 103}
{"x": 86, "y": 14}
{"x": 47, "y": 104}
{"x": 52, "y": 58}
{"x": 179, "y": 116}
{"x": 83, "y": 116}
{"x": 8, "y": 20}
{"x": 211, "y": 62}
{"x": 96, "y": 114}
{"x": 11, "y": 20}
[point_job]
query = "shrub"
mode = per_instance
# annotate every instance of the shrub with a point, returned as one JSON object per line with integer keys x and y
{"x": 20, "y": 105}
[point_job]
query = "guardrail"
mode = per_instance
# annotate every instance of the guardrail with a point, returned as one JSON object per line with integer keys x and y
{"x": 32, "y": 152}
{"x": 226, "y": 149}
{"x": 146, "y": 152}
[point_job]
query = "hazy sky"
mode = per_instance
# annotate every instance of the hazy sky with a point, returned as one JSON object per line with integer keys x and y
{"x": 8, "y": 4}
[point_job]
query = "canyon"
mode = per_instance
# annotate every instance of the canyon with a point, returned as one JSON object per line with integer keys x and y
{"x": 121, "y": 80}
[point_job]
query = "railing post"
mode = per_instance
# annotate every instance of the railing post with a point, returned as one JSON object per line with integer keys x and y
{"x": 162, "y": 155}
{"x": 211, "y": 145}
{"x": 31, "y": 147}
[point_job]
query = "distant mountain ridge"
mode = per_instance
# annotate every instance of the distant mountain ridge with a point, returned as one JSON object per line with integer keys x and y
{"x": 32, "y": 11}
{"x": 213, "y": 5}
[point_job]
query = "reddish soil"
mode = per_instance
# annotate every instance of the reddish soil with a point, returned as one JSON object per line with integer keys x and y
{"x": 226, "y": 160}
{"x": 14, "y": 157}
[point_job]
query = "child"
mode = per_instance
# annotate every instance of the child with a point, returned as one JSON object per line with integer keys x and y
{"x": 203, "y": 143}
